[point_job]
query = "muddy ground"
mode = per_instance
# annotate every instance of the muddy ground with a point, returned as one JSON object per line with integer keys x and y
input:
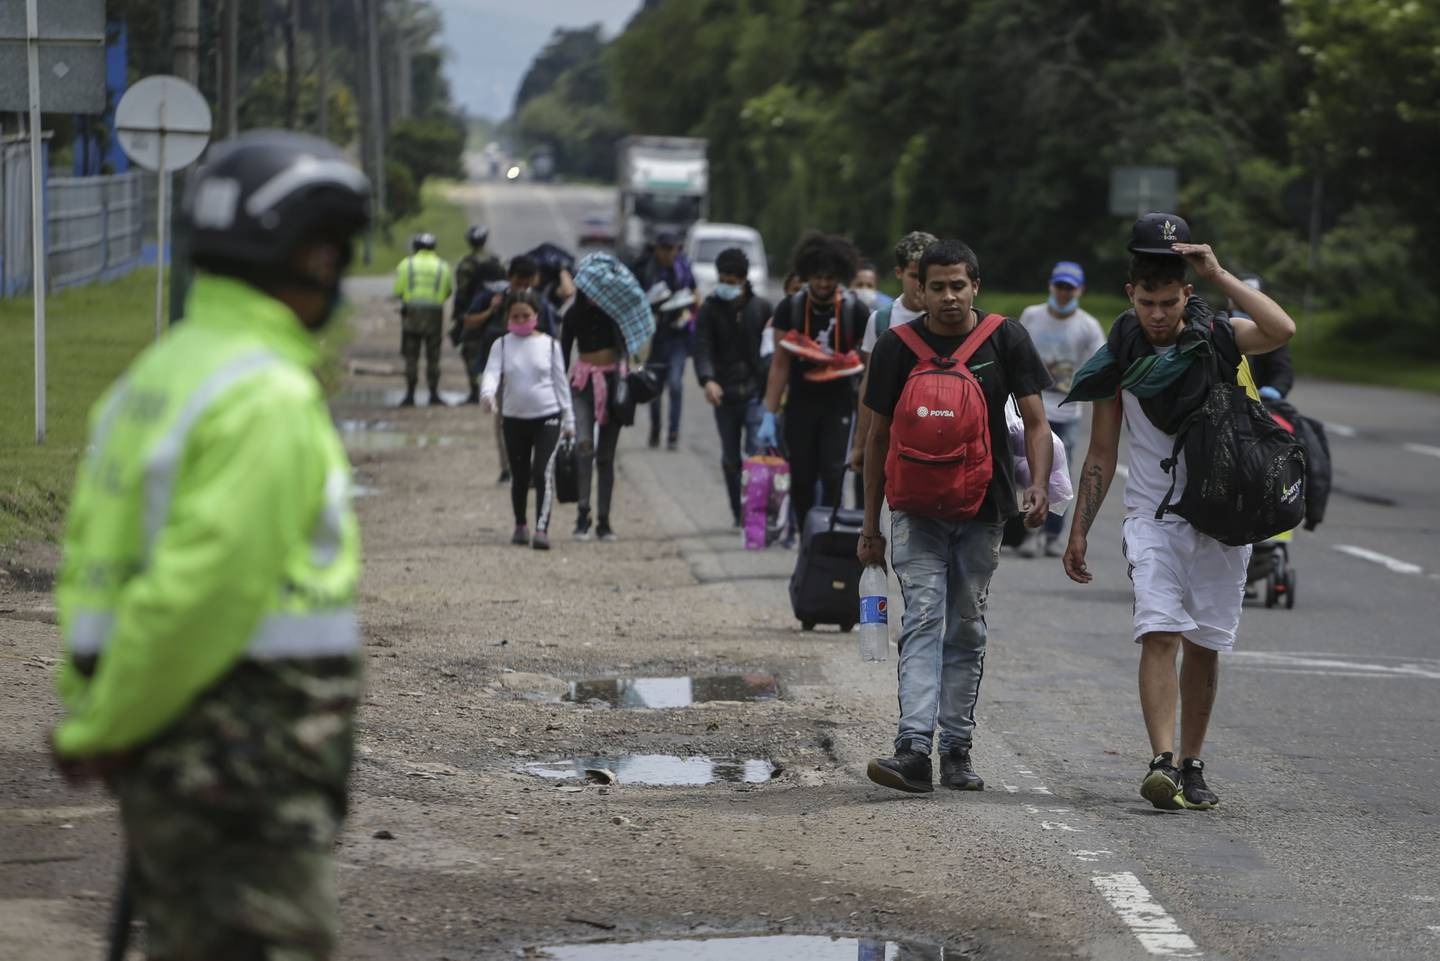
{"x": 453, "y": 851}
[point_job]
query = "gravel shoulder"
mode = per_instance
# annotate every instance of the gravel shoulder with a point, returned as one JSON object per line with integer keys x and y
{"x": 452, "y": 851}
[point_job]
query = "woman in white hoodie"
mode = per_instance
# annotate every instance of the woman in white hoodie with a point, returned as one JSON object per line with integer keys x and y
{"x": 527, "y": 374}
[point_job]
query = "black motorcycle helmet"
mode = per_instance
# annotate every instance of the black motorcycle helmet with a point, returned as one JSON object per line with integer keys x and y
{"x": 422, "y": 242}
{"x": 477, "y": 234}
{"x": 263, "y": 194}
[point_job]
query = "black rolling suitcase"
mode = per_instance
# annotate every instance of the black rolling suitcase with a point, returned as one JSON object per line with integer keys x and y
{"x": 825, "y": 587}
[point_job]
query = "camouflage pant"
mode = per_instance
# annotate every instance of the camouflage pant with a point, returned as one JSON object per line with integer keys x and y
{"x": 230, "y": 816}
{"x": 422, "y": 325}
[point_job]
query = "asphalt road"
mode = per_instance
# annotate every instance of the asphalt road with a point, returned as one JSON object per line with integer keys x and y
{"x": 1325, "y": 844}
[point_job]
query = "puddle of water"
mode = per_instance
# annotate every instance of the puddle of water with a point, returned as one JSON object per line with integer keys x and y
{"x": 374, "y": 435}
{"x": 388, "y": 397}
{"x": 657, "y": 692}
{"x": 775, "y": 948}
{"x": 658, "y": 769}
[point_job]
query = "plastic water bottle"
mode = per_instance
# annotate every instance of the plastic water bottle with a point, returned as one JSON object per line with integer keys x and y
{"x": 874, "y": 614}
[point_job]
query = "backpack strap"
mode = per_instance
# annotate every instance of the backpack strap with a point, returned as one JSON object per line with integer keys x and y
{"x": 977, "y": 338}
{"x": 964, "y": 352}
{"x": 912, "y": 339}
{"x": 882, "y": 318}
{"x": 1171, "y": 464}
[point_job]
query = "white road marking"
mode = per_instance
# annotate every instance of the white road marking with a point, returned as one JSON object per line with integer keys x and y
{"x": 1339, "y": 430}
{"x": 1384, "y": 560}
{"x": 1334, "y": 664}
{"x": 1092, "y": 855}
{"x": 1156, "y": 930}
{"x": 1425, "y": 449}
{"x": 1010, "y": 788}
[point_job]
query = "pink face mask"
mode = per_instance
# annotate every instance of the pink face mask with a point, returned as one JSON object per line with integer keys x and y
{"x": 524, "y": 329}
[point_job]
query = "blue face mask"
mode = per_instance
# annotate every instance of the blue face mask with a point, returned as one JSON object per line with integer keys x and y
{"x": 1067, "y": 309}
{"x": 728, "y": 291}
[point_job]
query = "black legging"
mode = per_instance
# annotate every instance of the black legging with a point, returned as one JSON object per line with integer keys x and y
{"x": 530, "y": 444}
{"x": 817, "y": 438}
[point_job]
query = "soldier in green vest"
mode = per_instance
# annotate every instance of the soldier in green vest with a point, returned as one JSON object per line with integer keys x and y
{"x": 423, "y": 283}
{"x": 207, "y": 589}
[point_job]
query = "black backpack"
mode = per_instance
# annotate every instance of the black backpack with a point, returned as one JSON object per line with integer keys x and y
{"x": 1246, "y": 473}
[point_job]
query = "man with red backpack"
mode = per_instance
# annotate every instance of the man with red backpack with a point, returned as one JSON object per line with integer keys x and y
{"x": 938, "y": 452}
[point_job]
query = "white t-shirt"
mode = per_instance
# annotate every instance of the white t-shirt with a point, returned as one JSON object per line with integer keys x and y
{"x": 899, "y": 314}
{"x": 1146, "y": 486}
{"x": 534, "y": 378}
{"x": 1064, "y": 344}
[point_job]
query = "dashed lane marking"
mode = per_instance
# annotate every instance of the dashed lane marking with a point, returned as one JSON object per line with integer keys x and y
{"x": 1384, "y": 560}
{"x": 1339, "y": 430}
{"x": 1331, "y": 664}
{"x": 1425, "y": 449}
{"x": 1151, "y": 924}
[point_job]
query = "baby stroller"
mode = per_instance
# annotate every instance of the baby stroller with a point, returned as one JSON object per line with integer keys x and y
{"x": 1270, "y": 563}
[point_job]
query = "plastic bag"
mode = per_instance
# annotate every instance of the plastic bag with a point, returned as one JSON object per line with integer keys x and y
{"x": 765, "y": 486}
{"x": 1060, "y": 490}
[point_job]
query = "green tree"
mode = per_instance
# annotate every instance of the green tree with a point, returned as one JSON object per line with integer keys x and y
{"x": 428, "y": 147}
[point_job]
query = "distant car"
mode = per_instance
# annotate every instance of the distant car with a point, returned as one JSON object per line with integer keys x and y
{"x": 706, "y": 240}
{"x": 597, "y": 229}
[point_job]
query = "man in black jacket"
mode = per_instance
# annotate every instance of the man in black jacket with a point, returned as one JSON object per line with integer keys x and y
{"x": 727, "y": 361}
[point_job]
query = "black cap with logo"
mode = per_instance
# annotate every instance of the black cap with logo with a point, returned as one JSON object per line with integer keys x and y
{"x": 1154, "y": 233}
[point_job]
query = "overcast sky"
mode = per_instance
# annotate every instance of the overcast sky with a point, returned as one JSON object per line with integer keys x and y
{"x": 492, "y": 42}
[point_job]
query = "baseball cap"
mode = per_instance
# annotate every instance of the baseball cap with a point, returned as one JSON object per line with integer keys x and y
{"x": 1155, "y": 232}
{"x": 1068, "y": 272}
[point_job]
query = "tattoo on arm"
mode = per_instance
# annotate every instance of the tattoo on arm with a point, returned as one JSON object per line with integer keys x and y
{"x": 1092, "y": 495}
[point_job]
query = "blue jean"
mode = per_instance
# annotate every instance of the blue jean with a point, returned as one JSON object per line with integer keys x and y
{"x": 1066, "y": 431}
{"x": 670, "y": 349}
{"x": 944, "y": 569}
{"x": 738, "y": 424}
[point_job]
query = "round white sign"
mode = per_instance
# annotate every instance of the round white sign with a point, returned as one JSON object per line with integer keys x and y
{"x": 163, "y": 123}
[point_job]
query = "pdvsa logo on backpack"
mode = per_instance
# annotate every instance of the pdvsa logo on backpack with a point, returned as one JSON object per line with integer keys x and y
{"x": 1289, "y": 494}
{"x": 923, "y": 411}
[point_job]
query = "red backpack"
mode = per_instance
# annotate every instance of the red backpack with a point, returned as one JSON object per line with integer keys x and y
{"x": 940, "y": 462}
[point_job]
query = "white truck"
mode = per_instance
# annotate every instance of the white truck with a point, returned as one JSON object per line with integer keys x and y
{"x": 664, "y": 184}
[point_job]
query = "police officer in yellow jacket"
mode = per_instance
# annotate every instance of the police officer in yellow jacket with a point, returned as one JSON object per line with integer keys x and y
{"x": 206, "y": 593}
{"x": 423, "y": 282}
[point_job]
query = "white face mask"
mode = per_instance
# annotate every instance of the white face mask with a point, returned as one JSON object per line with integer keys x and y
{"x": 867, "y": 295}
{"x": 728, "y": 291}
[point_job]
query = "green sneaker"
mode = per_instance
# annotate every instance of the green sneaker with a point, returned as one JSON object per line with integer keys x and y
{"x": 1161, "y": 786}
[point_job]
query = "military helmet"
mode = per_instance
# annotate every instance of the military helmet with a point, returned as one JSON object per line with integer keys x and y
{"x": 477, "y": 234}
{"x": 259, "y": 196}
{"x": 422, "y": 241}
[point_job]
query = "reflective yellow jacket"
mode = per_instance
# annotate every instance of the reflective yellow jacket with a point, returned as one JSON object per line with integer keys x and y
{"x": 423, "y": 279}
{"x": 211, "y": 522}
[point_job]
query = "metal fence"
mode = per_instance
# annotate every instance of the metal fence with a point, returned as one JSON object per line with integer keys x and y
{"x": 94, "y": 226}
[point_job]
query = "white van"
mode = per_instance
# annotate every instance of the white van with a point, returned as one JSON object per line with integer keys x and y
{"x": 704, "y": 243}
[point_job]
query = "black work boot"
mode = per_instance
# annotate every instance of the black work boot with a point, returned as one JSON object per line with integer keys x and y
{"x": 956, "y": 771}
{"x": 907, "y": 771}
{"x": 435, "y": 400}
{"x": 409, "y": 398}
{"x": 474, "y": 396}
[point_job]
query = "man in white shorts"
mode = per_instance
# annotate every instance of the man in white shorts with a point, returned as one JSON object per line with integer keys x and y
{"x": 1188, "y": 586}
